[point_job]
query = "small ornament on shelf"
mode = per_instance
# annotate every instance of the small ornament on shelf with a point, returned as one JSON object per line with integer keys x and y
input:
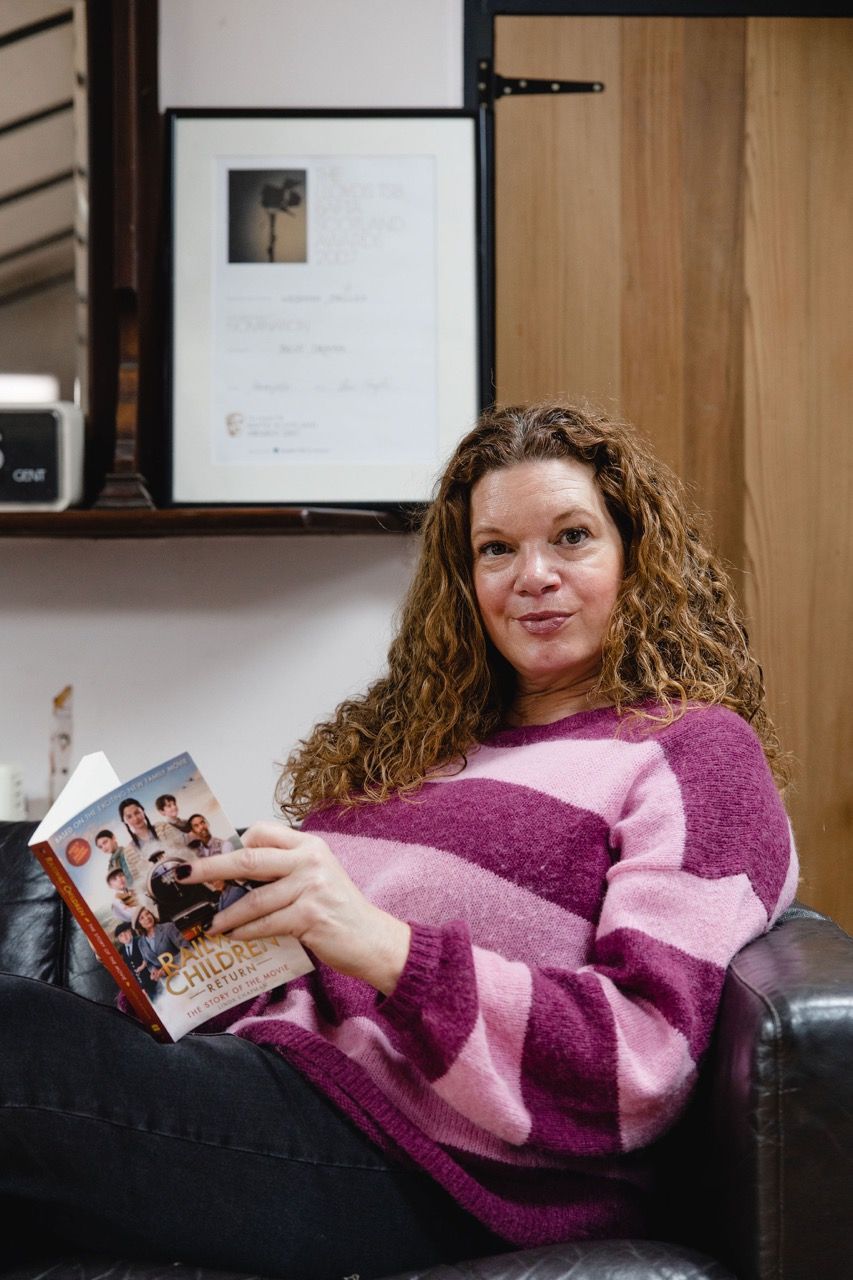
{"x": 61, "y": 736}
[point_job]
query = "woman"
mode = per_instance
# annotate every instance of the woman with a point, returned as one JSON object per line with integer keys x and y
{"x": 526, "y": 857}
{"x": 156, "y": 942}
{"x": 147, "y": 836}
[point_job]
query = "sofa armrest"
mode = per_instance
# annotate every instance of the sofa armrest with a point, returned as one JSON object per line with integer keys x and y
{"x": 780, "y": 1079}
{"x": 39, "y": 938}
{"x": 30, "y": 909}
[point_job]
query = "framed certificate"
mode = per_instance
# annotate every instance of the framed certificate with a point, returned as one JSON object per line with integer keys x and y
{"x": 324, "y": 339}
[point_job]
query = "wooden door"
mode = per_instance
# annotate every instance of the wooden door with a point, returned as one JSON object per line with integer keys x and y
{"x": 677, "y": 248}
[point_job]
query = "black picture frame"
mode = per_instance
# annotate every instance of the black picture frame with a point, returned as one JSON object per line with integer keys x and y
{"x": 222, "y": 165}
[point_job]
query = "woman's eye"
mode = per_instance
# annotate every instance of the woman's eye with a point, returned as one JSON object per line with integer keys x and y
{"x": 574, "y": 537}
{"x": 492, "y": 549}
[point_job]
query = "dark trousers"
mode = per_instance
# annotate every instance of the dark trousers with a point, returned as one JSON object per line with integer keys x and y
{"x": 212, "y": 1152}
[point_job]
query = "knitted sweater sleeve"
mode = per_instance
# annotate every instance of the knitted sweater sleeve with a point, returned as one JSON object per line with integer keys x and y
{"x": 600, "y": 1058}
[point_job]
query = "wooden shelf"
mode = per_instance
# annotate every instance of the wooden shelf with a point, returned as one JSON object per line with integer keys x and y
{"x": 172, "y": 522}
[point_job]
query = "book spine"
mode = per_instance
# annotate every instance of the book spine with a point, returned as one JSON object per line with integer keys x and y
{"x": 103, "y": 947}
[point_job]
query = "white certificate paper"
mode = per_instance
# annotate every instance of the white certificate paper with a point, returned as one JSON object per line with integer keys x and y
{"x": 329, "y": 350}
{"x": 325, "y": 337}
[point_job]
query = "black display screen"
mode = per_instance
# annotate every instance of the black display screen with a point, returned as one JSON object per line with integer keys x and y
{"x": 29, "y": 455}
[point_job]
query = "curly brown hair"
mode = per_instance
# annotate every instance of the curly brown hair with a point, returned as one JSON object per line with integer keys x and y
{"x": 676, "y": 635}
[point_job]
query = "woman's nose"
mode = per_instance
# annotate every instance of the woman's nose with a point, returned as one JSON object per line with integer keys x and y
{"x": 537, "y": 570}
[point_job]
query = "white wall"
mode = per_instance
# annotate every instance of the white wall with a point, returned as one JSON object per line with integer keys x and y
{"x": 315, "y": 53}
{"x": 228, "y": 648}
{"x": 37, "y": 335}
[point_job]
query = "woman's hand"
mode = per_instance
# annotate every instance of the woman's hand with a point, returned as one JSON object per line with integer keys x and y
{"x": 307, "y": 894}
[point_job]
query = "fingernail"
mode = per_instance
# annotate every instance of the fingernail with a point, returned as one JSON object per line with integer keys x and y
{"x": 183, "y": 871}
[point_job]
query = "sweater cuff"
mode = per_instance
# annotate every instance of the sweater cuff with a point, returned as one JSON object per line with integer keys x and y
{"x": 407, "y": 1000}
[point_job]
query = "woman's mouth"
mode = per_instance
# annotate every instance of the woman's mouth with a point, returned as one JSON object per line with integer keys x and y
{"x": 543, "y": 623}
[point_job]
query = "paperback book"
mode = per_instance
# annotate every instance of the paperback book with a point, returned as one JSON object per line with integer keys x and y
{"x": 114, "y": 849}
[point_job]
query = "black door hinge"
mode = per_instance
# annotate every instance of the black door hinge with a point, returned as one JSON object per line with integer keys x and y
{"x": 491, "y": 86}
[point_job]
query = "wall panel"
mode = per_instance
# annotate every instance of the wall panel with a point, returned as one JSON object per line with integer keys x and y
{"x": 678, "y": 248}
{"x": 712, "y": 240}
{"x": 799, "y": 409}
{"x": 652, "y": 218}
{"x": 558, "y": 228}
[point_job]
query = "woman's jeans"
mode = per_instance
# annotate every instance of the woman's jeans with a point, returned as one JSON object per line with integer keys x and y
{"x": 212, "y": 1152}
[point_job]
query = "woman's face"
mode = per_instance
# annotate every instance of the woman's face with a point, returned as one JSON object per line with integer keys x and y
{"x": 134, "y": 816}
{"x": 548, "y": 564}
{"x": 146, "y": 920}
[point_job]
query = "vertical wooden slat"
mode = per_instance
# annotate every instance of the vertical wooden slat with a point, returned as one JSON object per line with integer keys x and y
{"x": 780, "y": 468}
{"x": 82, "y": 169}
{"x": 101, "y": 312}
{"x": 557, "y": 225}
{"x": 799, "y": 398}
{"x": 829, "y": 790}
{"x": 132, "y": 200}
{"x": 125, "y": 166}
{"x": 652, "y": 219}
{"x": 713, "y": 109}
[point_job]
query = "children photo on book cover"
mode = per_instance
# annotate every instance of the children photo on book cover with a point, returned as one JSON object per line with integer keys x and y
{"x": 122, "y": 854}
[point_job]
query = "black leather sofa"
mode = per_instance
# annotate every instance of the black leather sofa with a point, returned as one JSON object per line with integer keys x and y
{"x": 756, "y": 1181}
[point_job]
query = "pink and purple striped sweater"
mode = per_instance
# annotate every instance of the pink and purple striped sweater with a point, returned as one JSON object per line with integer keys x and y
{"x": 576, "y": 892}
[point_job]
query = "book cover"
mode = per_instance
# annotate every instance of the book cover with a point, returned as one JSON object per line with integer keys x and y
{"x": 112, "y": 850}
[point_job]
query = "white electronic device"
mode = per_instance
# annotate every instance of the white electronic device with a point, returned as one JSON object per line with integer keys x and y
{"x": 41, "y": 456}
